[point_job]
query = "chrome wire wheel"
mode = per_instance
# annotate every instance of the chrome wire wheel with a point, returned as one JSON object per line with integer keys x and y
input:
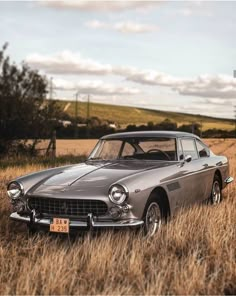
{"x": 152, "y": 219}
{"x": 216, "y": 193}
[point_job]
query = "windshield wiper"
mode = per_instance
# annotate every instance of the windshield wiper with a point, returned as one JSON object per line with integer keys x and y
{"x": 127, "y": 158}
{"x": 96, "y": 158}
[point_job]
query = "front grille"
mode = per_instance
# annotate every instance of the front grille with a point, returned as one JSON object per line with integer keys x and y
{"x": 67, "y": 207}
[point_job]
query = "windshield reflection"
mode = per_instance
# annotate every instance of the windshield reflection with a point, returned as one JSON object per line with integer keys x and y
{"x": 157, "y": 148}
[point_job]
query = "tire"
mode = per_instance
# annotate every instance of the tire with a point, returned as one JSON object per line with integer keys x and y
{"x": 31, "y": 230}
{"x": 216, "y": 191}
{"x": 152, "y": 218}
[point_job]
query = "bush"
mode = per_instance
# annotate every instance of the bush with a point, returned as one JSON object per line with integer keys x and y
{"x": 24, "y": 111}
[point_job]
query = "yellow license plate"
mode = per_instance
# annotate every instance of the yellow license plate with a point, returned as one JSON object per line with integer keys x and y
{"x": 60, "y": 225}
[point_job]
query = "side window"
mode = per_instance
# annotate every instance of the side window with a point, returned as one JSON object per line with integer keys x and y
{"x": 180, "y": 150}
{"x": 128, "y": 150}
{"x": 202, "y": 149}
{"x": 189, "y": 148}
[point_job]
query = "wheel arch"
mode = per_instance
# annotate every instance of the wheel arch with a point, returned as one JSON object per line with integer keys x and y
{"x": 159, "y": 194}
{"x": 218, "y": 174}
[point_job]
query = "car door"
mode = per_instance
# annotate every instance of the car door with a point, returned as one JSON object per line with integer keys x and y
{"x": 205, "y": 170}
{"x": 190, "y": 170}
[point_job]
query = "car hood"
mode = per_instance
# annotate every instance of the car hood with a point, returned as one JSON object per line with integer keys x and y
{"x": 92, "y": 175}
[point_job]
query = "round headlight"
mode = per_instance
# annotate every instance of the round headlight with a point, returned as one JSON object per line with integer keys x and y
{"x": 14, "y": 190}
{"x": 118, "y": 194}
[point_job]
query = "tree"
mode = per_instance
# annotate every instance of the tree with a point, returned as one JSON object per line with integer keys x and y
{"x": 167, "y": 125}
{"x": 189, "y": 128}
{"x": 24, "y": 111}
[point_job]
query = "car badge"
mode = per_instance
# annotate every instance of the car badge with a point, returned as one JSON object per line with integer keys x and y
{"x": 64, "y": 207}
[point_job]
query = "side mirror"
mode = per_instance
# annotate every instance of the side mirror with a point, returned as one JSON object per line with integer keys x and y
{"x": 188, "y": 158}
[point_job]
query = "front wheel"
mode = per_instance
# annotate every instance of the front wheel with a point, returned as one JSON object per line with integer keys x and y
{"x": 216, "y": 192}
{"x": 31, "y": 230}
{"x": 152, "y": 218}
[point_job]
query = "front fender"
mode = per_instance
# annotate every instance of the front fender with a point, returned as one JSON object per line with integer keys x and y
{"x": 30, "y": 180}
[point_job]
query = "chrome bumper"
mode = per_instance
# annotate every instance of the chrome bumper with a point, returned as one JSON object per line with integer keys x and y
{"x": 228, "y": 180}
{"x": 89, "y": 224}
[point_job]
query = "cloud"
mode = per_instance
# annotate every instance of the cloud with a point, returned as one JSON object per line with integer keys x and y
{"x": 101, "y": 6}
{"x": 131, "y": 27}
{"x": 151, "y": 77}
{"x": 95, "y": 87}
{"x": 96, "y": 24}
{"x": 208, "y": 86}
{"x": 219, "y": 102}
{"x": 208, "y": 110}
{"x": 124, "y": 27}
{"x": 185, "y": 12}
{"x": 192, "y": 9}
{"x": 68, "y": 63}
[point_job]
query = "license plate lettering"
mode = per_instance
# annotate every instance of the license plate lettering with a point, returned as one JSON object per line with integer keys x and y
{"x": 60, "y": 225}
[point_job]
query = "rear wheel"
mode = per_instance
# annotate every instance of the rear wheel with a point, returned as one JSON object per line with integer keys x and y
{"x": 152, "y": 218}
{"x": 216, "y": 192}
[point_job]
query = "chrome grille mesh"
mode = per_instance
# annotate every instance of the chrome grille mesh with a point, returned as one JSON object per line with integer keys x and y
{"x": 68, "y": 207}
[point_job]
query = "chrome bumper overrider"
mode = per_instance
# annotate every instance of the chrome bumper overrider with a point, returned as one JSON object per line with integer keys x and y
{"x": 229, "y": 180}
{"x": 89, "y": 224}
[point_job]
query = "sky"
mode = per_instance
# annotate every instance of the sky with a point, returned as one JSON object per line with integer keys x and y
{"x": 166, "y": 55}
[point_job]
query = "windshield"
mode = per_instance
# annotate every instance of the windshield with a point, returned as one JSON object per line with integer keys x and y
{"x": 136, "y": 148}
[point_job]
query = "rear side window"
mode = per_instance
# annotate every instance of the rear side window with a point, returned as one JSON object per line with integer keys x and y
{"x": 202, "y": 150}
{"x": 189, "y": 148}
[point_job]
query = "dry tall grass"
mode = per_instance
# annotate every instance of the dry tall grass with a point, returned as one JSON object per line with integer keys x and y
{"x": 193, "y": 254}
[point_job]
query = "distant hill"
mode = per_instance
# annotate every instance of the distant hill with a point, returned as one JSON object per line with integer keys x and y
{"x": 124, "y": 115}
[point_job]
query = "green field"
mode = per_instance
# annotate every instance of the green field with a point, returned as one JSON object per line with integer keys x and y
{"x": 124, "y": 115}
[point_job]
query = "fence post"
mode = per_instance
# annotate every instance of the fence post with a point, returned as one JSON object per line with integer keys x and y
{"x": 54, "y": 140}
{"x": 52, "y": 145}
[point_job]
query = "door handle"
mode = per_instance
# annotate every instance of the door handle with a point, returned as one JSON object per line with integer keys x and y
{"x": 205, "y": 165}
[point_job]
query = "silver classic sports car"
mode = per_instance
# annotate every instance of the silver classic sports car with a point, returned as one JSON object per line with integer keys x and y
{"x": 135, "y": 179}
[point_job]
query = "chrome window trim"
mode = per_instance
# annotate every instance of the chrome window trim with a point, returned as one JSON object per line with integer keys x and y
{"x": 204, "y": 145}
{"x": 179, "y": 146}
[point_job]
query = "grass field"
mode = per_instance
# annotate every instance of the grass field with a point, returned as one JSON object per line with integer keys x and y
{"x": 124, "y": 115}
{"x": 75, "y": 147}
{"x": 193, "y": 254}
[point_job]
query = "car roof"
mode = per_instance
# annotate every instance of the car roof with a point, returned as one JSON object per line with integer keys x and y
{"x": 147, "y": 134}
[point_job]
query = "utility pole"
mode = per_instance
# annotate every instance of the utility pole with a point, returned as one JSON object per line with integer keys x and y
{"x": 76, "y": 115}
{"x": 88, "y": 115}
{"x": 51, "y": 88}
{"x": 50, "y": 93}
{"x": 88, "y": 107}
{"x": 193, "y": 128}
{"x": 52, "y": 144}
{"x": 201, "y": 129}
